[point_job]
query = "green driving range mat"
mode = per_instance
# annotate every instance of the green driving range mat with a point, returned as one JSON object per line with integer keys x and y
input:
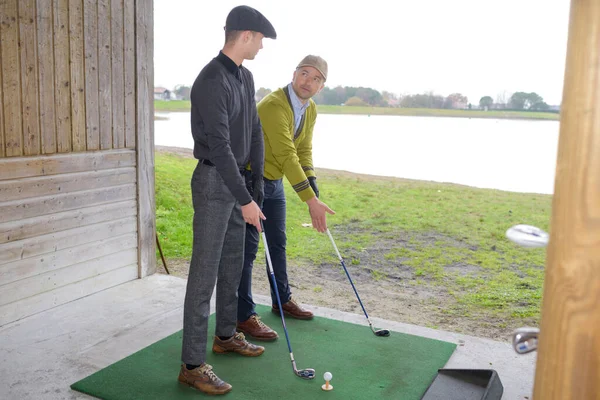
{"x": 363, "y": 365}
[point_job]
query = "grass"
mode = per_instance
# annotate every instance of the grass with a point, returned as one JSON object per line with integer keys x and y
{"x": 184, "y": 105}
{"x": 448, "y": 236}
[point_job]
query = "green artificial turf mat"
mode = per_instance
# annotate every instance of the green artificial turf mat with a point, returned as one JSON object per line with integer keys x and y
{"x": 363, "y": 365}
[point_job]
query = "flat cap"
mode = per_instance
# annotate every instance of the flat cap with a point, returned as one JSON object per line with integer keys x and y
{"x": 244, "y": 18}
{"x": 316, "y": 62}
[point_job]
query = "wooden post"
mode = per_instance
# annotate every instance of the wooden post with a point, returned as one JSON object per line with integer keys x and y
{"x": 568, "y": 363}
{"x": 144, "y": 23}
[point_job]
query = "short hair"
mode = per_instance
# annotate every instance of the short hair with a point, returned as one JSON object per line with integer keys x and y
{"x": 231, "y": 36}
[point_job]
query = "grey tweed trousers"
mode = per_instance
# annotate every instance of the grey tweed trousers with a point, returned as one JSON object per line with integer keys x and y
{"x": 217, "y": 256}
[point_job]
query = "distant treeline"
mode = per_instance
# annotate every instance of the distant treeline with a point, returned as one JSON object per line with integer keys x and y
{"x": 368, "y": 97}
{"x": 361, "y": 96}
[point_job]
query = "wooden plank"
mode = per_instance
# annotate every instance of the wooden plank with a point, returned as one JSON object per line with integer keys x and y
{"x": 49, "y": 243}
{"x": 11, "y": 78}
{"x": 45, "y": 301}
{"x": 78, "y": 134}
{"x": 104, "y": 74}
{"x": 118, "y": 85}
{"x": 129, "y": 70}
{"x": 145, "y": 135}
{"x": 29, "y": 74}
{"x": 62, "y": 76}
{"x": 26, "y": 188}
{"x": 45, "y": 28}
{"x": 18, "y": 209}
{"x": 2, "y": 146}
{"x": 92, "y": 116}
{"x": 29, "y": 267}
{"x": 568, "y": 360}
{"x": 33, "y": 227}
{"x": 64, "y": 163}
{"x": 48, "y": 281}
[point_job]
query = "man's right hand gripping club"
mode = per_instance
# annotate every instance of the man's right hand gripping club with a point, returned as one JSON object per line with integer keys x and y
{"x": 252, "y": 214}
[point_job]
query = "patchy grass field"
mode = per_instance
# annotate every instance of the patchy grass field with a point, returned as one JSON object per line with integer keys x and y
{"x": 419, "y": 252}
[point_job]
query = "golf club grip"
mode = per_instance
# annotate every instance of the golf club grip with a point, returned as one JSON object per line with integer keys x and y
{"x": 334, "y": 246}
{"x": 264, "y": 238}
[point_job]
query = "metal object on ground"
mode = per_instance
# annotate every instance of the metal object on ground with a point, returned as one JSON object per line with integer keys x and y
{"x": 307, "y": 373}
{"x": 525, "y": 340}
{"x": 527, "y": 236}
{"x": 379, "y": 332}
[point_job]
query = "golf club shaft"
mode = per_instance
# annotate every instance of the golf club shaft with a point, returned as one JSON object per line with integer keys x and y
{"x": 264, "y": 238}
{"x": 348, "y": 275}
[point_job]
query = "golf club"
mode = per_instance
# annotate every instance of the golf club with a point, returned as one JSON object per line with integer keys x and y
{"x": 307, "y": 373}
{"x": 525, "y": 340}
{"x": 379, "y": 332}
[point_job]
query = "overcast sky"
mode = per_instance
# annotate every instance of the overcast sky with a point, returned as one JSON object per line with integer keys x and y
{"x": 474, "y": 47}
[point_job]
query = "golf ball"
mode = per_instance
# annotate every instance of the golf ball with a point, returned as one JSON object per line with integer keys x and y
{"x": 327, "y": 376}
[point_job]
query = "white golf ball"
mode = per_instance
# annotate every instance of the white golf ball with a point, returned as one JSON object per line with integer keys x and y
{"x": 327, "y": 376}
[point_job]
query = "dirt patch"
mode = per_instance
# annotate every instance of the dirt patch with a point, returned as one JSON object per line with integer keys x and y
{"x": 388, "y": 289}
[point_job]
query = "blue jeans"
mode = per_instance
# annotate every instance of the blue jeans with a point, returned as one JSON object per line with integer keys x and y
{"x": 274, "y": 209}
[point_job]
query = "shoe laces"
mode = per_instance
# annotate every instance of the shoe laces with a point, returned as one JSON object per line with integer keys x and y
{"x": 206, "y": 369}
{"x": 258, "y": 322}
{"x": 239, "y": 336}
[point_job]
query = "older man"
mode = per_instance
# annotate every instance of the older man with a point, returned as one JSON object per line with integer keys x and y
{"x": 288, "y": 118}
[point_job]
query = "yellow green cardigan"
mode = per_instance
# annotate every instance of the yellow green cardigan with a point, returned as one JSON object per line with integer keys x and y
{"x": 285, "y": 155}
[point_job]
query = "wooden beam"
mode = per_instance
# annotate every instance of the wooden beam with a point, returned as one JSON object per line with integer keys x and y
{"x": 568, "y": 363}
{"x": 79, "y": 136}
{"x": 29, "y": 75}
{"x": 144, "y": 39}
{"x": 11, "y": 77}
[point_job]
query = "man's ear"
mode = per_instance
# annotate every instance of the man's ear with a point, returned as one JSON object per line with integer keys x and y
{"x": 321, "y": 88}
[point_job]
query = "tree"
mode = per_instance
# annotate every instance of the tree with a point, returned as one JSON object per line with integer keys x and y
{"x": 182, "y": 92}
{"x": 524, "y": 101}
{"x": 486, "y": 102}
{"x": 456, "y": 100}
{"x": 355, "y": 101}
{"x": 261, "y": 93}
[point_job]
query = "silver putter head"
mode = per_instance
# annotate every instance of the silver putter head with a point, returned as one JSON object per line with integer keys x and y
{"x": 525, "y": 340}
{"x": 382, "y": 332}
{"x": 307, "y": 373}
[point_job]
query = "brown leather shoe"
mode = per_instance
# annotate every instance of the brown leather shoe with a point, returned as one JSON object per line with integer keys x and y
{"x": 237, "y": 344}
{"x": 293, "y": 309}
{"x": 254, "y": 327}
{"x": 203, "y": 379}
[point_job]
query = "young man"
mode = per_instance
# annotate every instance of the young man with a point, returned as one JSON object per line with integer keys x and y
{"x": 288, "y": 118}
{"x": 227, "y": 137}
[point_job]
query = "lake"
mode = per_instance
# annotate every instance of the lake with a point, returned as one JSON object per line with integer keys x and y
{"x": 512, "y": 155}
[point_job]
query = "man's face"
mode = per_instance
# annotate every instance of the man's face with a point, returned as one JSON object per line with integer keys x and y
{"x": 253, "y": 44}
{"x": 307, "y": 82}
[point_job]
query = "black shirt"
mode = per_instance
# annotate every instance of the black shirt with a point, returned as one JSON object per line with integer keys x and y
{"x": 225, "y": 123}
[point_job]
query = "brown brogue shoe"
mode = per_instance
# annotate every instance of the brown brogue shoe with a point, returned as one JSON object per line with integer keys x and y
{"x": 237, "y": 344}
{"x": 203, "y": 379}
{"x": 254, "y": 327}
{"x": 293, "y": 309}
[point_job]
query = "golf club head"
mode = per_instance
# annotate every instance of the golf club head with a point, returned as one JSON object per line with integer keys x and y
{"x": 382, "y": 332}
{"x": 527, "y": 236}
{"x": 307, "y": 373}
{"x": 525, "y": 340}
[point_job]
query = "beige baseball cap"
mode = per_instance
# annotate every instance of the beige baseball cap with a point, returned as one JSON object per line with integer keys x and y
{"x": 315, "y": 62}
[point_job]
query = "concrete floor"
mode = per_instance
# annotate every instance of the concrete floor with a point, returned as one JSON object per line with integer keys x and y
{"x": 42, "y": 355}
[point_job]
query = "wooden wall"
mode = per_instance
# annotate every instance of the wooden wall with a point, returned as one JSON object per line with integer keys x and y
{"x": 67, "y": 77}
{"x": 76, "y": 150}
